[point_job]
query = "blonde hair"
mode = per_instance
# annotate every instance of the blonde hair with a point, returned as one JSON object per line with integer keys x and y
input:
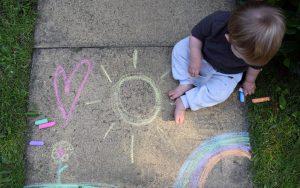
{"x": 256, "y": 31}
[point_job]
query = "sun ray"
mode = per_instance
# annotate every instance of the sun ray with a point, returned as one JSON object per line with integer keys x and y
{"x": 135, "y": 58}
{"x": 165, "y": 138}
{"x": 172, "y": 103}
{"x": 109, "y": 129}
{"x": 161, "y": 131}
{"x": 93, "y": 102}
{"x": 107, "y": 76}
{"x": 165, "y": 74}
{"x": 132, "y": 142}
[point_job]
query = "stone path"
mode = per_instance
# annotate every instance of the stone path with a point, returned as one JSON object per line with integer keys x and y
{"x": 101, "y": 71}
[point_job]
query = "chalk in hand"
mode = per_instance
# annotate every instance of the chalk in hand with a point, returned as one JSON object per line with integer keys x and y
{"x": 46, "y": 125}
{"x": 41, "y": 121}
{"x": 262, "y": 99}
{"x": 36, "y": 143}
{"x": 242, "y": 95}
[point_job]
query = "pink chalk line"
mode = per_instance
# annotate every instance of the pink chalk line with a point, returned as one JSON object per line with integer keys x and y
{"x": 67, "y": 83}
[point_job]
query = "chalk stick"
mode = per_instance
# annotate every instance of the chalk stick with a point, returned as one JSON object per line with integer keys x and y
{"x": 41, "y": 121}
{"x": 242, "y": 95}
{"x": 46, "y": 125}
{"x": 262, "y": 99}
{"x": 31, "y": 114}
{"x": 36, "y": 143}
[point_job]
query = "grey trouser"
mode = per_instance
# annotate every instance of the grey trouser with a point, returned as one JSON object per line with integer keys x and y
{"x": 212, "y": 87}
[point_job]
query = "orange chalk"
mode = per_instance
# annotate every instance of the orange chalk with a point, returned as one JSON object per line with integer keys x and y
{"x": 263, "y": 99}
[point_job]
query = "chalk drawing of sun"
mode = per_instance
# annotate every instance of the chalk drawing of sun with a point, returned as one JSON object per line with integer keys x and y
{"x": 136, "y": 116}
{"x": 195, "y": 170}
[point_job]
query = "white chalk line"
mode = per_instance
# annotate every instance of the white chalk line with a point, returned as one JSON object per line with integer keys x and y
{"x": 107, "y": 76}
{"x": 132, "y": 142}
{"x": 109, "y": 129}
{"x": 93, "y": 102}
{"x": 165, "y": 138}
{"x": 135, "y": 58}
{"x": 165, "y": 74}
{"x": 126, "y": 116}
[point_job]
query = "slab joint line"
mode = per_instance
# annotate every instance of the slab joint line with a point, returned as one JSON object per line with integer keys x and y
{"x": 103, "y": 47}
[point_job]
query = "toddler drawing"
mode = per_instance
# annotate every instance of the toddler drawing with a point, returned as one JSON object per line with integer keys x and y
{"x": 210, "y": 63}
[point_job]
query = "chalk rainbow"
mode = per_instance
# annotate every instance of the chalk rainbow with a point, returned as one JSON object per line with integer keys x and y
{"x": 70, "y": 185}
{"x": 201, "y": 161}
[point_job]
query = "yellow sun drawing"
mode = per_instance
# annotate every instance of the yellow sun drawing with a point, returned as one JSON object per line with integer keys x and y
{"x": 134, "y": 119}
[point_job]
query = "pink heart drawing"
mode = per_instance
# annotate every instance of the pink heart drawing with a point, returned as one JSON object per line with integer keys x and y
{"x": 67, "y": 82}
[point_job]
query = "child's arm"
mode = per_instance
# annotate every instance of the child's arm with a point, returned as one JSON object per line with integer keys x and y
{"x": 249, "y": 83}
{"x": 195, "y": 56}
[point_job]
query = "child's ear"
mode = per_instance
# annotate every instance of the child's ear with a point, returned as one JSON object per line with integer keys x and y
{"x": 227, "y": 37}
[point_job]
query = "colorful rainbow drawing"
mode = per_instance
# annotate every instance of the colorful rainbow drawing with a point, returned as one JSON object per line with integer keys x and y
{"x": 196, "y": 168}
{"x": 70, "y": 185}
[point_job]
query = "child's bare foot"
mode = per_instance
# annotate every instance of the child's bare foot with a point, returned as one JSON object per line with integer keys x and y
{"x": 179, "y": 90}
{"x": 179, "y": 111}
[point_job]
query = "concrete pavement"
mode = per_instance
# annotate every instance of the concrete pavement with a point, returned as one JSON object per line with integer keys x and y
{"x": 101, "y": 71}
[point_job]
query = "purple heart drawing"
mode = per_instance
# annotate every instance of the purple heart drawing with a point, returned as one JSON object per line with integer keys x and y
{"x": 67, "y": 83}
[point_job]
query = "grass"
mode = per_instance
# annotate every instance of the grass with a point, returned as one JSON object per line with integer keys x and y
{"x": 275, "y": 130}
{"x": 17, "y": 19}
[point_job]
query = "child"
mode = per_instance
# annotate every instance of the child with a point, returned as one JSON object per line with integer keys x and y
{"x": 210, "y": 63}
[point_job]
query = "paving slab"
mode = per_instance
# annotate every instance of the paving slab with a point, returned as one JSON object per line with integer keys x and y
{"x": 101, "y": 72}
{"x": 115, "y": 125}
{"x": 98, "y": 23}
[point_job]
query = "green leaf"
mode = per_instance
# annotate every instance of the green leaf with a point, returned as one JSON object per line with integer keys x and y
{"x": 273, "y": 126}
{"x": 292, "y": 20}
{"x": 296, "y": 114}
{"x": 5, "y": 172}
{"x": 278, "y": 89}
{"x": 287, "y": 62}
{"x": 5, "y": 180}
{"x": 285, "y": 92}
{"x": 288, "y": 46}
{"x": 291, "y": 30}
{"x": 282, "y": 102}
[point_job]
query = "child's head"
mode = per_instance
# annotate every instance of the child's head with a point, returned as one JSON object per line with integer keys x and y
{"x": 256, "y": 31}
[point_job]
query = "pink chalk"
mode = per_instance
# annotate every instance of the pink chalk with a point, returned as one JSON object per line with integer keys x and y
{"x": 46, "y": 125}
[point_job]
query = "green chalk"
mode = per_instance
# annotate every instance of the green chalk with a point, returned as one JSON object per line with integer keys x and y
{"x": 41, "y": 121}
{"x": 31, "y": 114}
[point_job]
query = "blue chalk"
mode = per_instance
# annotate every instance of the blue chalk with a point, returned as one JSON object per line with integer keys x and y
{"x": 36, "y": 143}
{"x": 41, "y": 121}
{"x": 242, "y": 96}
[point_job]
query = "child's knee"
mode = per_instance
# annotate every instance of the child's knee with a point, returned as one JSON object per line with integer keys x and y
{"x": 220, "y": 92}
{"x": 220, "y": 96}
{"x": 176, "y": 52}
{"x": 181, "y": 48}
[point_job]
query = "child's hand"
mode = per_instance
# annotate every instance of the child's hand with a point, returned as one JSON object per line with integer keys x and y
{"x": 249, "y": 87}
{"x": 194, "y": 69}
